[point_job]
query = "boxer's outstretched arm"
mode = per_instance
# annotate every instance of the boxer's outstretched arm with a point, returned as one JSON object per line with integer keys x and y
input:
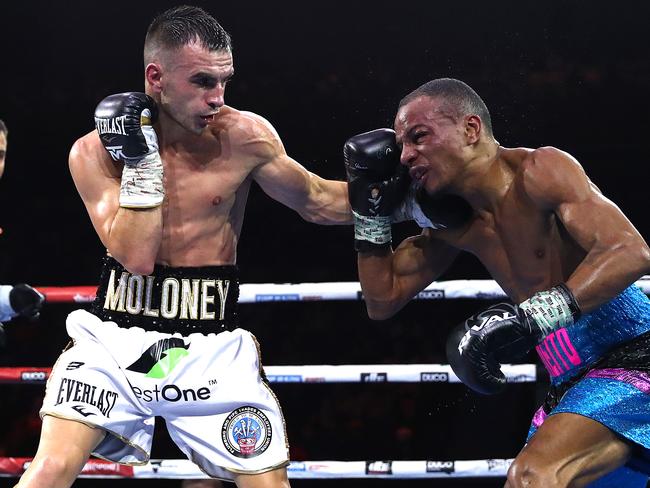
{"x": 389, "y": 279}
{"x": 316, "y": 199}
{"x": 616, "y": 254}
{"x": 131, "y": 236}
{"x": 282, "y": 178}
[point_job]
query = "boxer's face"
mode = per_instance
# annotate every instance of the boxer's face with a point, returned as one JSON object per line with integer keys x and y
{"x": 192, "y": 83}
{"x": 3, "y": 151}
{"x": 432, "y": 143}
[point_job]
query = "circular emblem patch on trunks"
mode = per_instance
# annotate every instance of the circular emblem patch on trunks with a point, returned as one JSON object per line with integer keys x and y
{"x": 246, "y": 432}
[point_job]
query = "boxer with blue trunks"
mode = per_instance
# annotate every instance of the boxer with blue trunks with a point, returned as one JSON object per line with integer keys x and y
{"x": 563, "y": 253}
{"x": 600, "y": 369}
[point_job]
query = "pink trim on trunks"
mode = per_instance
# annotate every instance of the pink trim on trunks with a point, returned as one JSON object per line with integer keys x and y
{"x": 638, "y": 379}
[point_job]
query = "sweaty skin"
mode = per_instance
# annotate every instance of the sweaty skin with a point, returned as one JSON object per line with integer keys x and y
{"x": 522, "y": 262}
{"x": 538, "y": 221}
{"x": 209, "y": 163}
{"x": 207, "y": 180}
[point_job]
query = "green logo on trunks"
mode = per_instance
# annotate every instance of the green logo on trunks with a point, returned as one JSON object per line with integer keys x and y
{"x": 161, "y": 358}
{"x": 171, "y": 357}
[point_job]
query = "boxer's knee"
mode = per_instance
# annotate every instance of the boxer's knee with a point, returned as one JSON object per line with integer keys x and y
{"x": 52, "y": 470}
{"x": 530, "y": 471}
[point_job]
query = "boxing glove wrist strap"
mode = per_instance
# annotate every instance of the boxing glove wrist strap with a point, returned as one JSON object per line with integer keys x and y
{"x": 550, "y": 310}
{"x": 142, "y": 182}
{"x": 371, "y": 232}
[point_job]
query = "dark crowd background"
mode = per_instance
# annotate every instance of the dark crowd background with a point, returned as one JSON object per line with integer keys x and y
{"x": 572, "y": 74}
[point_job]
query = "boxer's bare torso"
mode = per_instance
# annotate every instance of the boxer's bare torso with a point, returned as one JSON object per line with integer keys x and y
{"x": 520, "y": 241}
{"x": 207, "y": 180}
{"x": 538, "y": 219}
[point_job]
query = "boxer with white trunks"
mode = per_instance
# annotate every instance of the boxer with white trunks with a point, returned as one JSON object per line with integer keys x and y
{"x": 165, "y": 178}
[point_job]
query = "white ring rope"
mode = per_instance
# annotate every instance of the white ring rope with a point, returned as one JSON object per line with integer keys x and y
{"x": 296, "y": 292}
{"x": 399, "y": 469}
{"x": 348, "y": 373}
{"x": 185, "y": 469}
{"x": 386, "y": 373}
{"x": 351, "y": 290}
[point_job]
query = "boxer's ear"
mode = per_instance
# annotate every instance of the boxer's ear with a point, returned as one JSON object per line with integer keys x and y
{"x": 153, "y": 74}
{"x": 473, "y": 128}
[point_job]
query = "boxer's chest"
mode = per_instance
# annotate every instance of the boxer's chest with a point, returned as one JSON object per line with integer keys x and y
{"x": 522, "y": 247}
{"x": 198, "y": 187}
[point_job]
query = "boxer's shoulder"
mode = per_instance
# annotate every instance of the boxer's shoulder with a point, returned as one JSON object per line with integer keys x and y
{"x": 243, "y": 126}
{"x": 551, "y": 176}
{"x": 87, "y": 144}
{"x": 546, "y": 161}
{"x": 88, "y": 151}
{"x": 250, "y": 134}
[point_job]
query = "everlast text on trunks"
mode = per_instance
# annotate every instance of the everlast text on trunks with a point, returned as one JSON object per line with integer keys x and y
{"x": 185, "y": 300}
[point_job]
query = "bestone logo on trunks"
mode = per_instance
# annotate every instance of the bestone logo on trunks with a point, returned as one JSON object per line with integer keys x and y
{"x": 158, "y": 361}
{"x": 179, "y": 298}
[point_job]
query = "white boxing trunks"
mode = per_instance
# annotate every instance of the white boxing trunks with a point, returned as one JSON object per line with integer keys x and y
{"x": 209, "y": 388}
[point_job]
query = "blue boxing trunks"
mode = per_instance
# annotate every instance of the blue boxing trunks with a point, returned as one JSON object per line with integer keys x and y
{"x": 600, "y": 369}
{"x": 168, "y": 345}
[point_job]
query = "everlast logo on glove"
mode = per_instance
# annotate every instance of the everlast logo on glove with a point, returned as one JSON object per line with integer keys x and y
{"x": 114, "y": 125}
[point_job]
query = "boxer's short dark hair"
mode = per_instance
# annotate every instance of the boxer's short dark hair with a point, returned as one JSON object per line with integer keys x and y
{"x": 459, "y": 96}
{"x": 178, "y": 26}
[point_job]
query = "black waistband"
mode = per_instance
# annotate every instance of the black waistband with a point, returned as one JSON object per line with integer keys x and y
{"x": 185, "y": 300}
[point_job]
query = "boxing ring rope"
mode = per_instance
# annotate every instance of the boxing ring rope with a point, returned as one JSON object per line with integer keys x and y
{"x": 351, "y": 373}
{"x": 304, "y": 292}
{"x": 256, "y": 293}
{"x": 185, "y": 469}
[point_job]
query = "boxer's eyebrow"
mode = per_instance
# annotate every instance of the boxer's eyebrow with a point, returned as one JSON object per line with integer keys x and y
{"x": 413, "y": 130}
{"x": 203, "y": 78}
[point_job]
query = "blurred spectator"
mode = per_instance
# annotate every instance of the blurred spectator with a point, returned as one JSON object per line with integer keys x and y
{"x": 20, "y": 299}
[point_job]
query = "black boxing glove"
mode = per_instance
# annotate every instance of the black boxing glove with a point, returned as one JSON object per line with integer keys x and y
{"x": 26, "y": 301}
{"x": 437, "y": 212}
{"x": 20, "y": 300}
{"x": 377, "y": 184}
{"x": 124, "y": 124}
{"x": 505, "y": 332}
{"x": 444, "y": 211}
